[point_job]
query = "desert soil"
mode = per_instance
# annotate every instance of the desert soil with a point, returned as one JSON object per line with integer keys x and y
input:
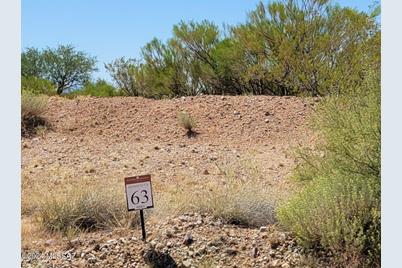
{"x": 112, "y": 138}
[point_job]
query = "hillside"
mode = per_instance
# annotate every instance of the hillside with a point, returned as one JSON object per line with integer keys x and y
{"x": 92, "y": 140}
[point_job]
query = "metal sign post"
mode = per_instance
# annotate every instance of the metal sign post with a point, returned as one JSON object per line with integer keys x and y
{"x": 139, "y": 196}
{"x": 143, "y": 225}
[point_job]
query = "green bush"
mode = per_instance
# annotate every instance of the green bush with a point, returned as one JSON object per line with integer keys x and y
{"x": 33, "y": 108}
{"x": 100, "y": 88}
{"x": 339, "y": 208}
{"x": 38, "y": 86}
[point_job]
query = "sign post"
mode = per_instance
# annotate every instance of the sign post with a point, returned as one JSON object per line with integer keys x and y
{"x": 139, "y": 196}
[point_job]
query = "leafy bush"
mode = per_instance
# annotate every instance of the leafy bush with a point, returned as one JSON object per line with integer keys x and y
{"x": 187, "y": 122}
{"x": 340, "y": 206}
{"x": 100, "y": 88}
{"x": 38, "y": 86}
{"x": 87, "y": 209}
{"x": 33, "y": 108}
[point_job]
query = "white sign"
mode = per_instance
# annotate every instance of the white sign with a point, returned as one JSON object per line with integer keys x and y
{"x": 139, "y": 192}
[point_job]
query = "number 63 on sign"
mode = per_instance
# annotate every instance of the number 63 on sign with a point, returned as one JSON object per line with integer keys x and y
{"x": 139, "y": 192}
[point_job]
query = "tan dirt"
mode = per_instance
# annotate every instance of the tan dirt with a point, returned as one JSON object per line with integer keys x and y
{"x": 112, "y": 138}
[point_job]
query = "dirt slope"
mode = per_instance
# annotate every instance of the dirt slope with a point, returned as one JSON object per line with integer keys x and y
{"x": 111, "y": 138}
{"x": 221, "y": 120}
{"x": 142, "y": 134}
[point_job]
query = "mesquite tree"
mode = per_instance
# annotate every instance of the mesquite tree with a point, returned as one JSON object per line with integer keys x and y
{"x": 64, "y": 66}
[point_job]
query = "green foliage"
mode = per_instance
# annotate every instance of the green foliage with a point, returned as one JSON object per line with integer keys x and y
{"x": 100, "y": 88}
{"x": 64, "y": 66}
{"x": 32, "y": 64}
{"x": 340, "y": 206}
{"x": 285, "y": 48}
{"x": 37, "y": 86}
{"x": 305, "y": 47}
{"x": 124, "y": 72}
{"x": 33, "y": 108}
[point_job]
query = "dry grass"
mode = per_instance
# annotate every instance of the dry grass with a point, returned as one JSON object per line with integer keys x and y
{"x": 243, "y": 197}
{"x": 187, "y": 122}
{"x": 244, "y": 201}
{"x": 76, "y": 206}
{"x": 85, "y": 209}
{"x": 33, "y": 108}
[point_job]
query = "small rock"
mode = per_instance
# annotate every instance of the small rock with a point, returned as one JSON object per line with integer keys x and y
{"x": 206, "y": 172}
{"x": 91, "y": 259}
{"x": 49, "y": 242}
{"x": 272, "y": 253}
{"x": 75, "y": 242}
{"x": 274, "y": 263}
{"x": 111, "y": 241}
{"x": 186, "y": 263}
{"x": 169, "y": 233}
{"x": 213, "y": 249}
{"x": 159, "y": 246}
{"x": 263, "y": 229}
{"x": 213, "y": 158}
{"x": 188, "y": 239}
{"x": 103, "y": 256}
{"x": 202, "y": 250}
{"x": 231, "y": 251}
{"x": 255, "y": 252}
{"x": 183, "y": 218}
{"x": 282, "y": 237}
{"x": 159, "y": 259}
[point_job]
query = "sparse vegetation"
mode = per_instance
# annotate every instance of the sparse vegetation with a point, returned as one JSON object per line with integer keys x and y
{"x": 99, "y": 88}
{"x": 302, "y": 48}
{"x": 243, "y": 201}
{"x": 340, "y": 205}
{"x": 84, "y": 209}
{"x": 33, "y": 108}
{"x": 38, "y": 86}
{"x": 187, "y": 122}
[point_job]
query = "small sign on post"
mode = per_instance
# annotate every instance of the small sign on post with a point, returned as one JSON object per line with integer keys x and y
{"x": 139, "y": 196}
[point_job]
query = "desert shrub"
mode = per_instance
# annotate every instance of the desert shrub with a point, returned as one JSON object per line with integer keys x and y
{"x": 187, "y": 122}
{"x": 38, "y": 86}
{"x": 339, "y": 208}
{"x": 33, "y": 108}
{"x": 100, "y": 88}
{"x": 235, "y": 200}
{"x": 307, "y": 47}
{"x": 86, "y": 209}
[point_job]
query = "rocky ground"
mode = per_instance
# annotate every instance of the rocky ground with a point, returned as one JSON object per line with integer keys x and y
{"x": 190, "y": 240}
{"x": 107, "y": 138}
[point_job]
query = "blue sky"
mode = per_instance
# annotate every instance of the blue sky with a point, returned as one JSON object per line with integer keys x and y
{"x": 109, "y": 29}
